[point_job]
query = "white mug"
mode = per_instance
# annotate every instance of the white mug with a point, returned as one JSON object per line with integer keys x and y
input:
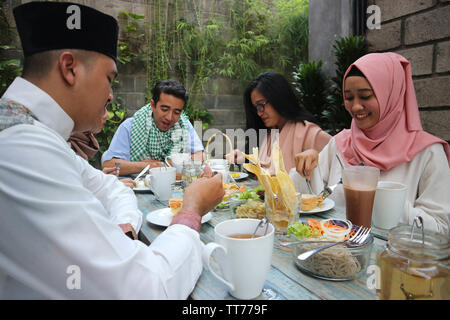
{"x": 389, "y": 204}
{"x": 244, "y": 263}
{"x": 162, "y": 179}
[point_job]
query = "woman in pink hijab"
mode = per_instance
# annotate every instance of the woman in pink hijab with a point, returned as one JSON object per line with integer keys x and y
{"x": 386, "y": 133}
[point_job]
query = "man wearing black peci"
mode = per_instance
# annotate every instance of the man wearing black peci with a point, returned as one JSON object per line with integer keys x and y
{"x": 62, "y": 222}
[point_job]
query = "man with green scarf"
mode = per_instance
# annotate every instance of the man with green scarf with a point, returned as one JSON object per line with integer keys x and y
{"x": 154, "y": 132}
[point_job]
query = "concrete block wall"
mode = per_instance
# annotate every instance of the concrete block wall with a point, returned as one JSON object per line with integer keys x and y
{"x": 222, "y": 97}
{"x": 419, "y": 30}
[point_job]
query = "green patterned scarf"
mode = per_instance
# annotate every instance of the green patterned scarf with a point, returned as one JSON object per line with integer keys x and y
{"x": 148, "y": 142}
{"x": 12, "y": 113}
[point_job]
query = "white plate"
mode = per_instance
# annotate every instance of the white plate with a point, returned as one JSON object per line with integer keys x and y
{"x": 163, "y": 217}
{"x": 242, "y": 175}
{"x": 326, "y": 205}
{"x": 141, "y": 189}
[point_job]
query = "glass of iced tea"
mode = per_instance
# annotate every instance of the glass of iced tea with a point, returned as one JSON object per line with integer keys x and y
{"x": 414, "y": 266}
{"x": 280, "y": 216}
{"x": 360, "y": 185}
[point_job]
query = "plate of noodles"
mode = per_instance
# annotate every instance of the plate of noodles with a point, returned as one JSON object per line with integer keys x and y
{"x": 249, "y": 208}
{"x": 338, "y": 263}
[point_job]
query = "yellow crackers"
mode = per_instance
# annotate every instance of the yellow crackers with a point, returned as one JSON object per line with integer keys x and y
{"x": 280, "y": 192}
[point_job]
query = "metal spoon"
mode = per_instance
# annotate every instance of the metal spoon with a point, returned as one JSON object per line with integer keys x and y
{"x": 287, "y": 244}
{"x": 262, "y": 223}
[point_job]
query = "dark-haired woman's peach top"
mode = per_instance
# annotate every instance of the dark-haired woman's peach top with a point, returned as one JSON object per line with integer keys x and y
{"x": 294, "y": 138}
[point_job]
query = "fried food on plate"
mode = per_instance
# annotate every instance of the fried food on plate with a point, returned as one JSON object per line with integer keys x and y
{"x": 310, "y": 202}
{"x": 175, "y": 205}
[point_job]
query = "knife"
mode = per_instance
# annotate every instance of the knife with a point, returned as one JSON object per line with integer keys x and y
{"x": 141, "y": 173}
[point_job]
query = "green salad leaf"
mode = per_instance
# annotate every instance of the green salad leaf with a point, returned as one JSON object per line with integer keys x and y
{"x": 251, "y": 193}
{"x": 259, "y": 188}
{"x": 300, "y": 230}
{"x": 223, "y": 205}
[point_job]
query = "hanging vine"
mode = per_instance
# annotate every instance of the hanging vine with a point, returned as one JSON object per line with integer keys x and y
{"x": 182, "y": 41}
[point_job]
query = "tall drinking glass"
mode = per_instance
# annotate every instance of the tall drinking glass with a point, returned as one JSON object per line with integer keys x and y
{"x": 360, "y": 185}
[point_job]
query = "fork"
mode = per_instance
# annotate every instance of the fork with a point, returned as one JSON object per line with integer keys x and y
{"x": 358, "y": 238}
{"x": 308, "y": 184}
{"x": 325, "y": 193}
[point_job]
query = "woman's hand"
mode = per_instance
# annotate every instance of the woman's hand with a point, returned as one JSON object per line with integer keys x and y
{"x": 306, "y": 162}
{"x": 235, "y": 156}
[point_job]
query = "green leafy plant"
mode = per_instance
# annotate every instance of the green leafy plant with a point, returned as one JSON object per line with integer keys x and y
{"x": 248, "y": 50}
{"x": 347, "y": 50}
{"x": 10, "y": 68}
{"x": 132, "y": 38}
{"x": 199, "y": 114}
{"x": 323, "y": 97}
{"x": 312, "y": 89}
{"x": 265, "y": 37}
{"x": 200, "y": 43}
{"x": 292, "y": 33}
{"x": 257, "y": 36}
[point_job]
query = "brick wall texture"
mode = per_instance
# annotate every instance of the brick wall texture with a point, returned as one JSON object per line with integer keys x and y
{"x": 419, "y": 30}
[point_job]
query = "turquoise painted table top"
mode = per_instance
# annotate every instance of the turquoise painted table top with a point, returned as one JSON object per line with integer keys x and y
{"x": 284, "y": 277}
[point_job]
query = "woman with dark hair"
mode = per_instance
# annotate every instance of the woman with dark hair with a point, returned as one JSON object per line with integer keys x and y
{"x": 270, "y": 103}
{"x": 386, "y": 133}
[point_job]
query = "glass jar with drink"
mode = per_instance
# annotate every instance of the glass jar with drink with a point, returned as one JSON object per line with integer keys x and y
{"x": 279, "y": 215}
{"x": 415, "y": 265}
{"x": 192, "y": 169}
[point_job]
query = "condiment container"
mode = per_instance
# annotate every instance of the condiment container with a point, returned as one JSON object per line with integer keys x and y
{"x": 414, "y": 264}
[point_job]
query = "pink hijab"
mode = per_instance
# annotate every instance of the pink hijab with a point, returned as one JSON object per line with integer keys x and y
{"x": 398, "y": 136}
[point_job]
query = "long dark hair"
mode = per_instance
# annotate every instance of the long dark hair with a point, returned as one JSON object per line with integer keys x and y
{"x": 276, "y": 89}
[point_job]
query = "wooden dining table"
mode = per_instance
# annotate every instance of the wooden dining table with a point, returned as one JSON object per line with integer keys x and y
{"x": 284, "y": 280}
